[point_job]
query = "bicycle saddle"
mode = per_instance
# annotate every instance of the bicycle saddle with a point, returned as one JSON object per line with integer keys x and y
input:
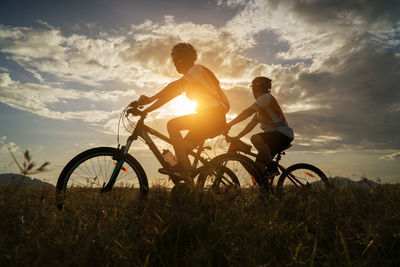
{"x": 283, "y": 150}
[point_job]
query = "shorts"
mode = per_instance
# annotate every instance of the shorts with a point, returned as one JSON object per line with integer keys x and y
{"x": 202, "y": 125}
{"x": 276, "y": 141}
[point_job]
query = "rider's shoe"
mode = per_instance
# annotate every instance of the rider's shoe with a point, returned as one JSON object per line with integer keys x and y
{"x": 170, "y": 171}
{"x": 268, "y": 174}
{"x": 270, "y": 170}
{"x": 177, "y": 174}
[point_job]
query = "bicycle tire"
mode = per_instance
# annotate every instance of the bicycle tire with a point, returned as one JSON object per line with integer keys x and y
{"x": 242, "y": 171}
{"x": 95, "y": 175}
{"x": 302, "y": 175}
{"x": 216, "y": 176}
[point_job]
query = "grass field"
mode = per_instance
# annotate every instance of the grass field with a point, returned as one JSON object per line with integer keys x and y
{"x": 340, "y": 226}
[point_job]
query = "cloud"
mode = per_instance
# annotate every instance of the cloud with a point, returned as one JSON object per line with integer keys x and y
{"x": 231, "y": 3}
{"x": 315, "y": 29}
{"x": 6, "y": 145}
{"x": 139, "y": 57}
{"x": 216, "y": 48}
{"x": 69, "y": 58}
{"x": 338, "y": 81}
{"x": 359, "y": 97}
{"x": 391, "y": 156}
{"x": 37, "y": 98}
{"x": 332, "y": 10}
{"x": 356, "y": 101}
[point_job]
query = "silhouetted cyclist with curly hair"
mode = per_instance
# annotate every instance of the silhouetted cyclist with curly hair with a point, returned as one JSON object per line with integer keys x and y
{"x": 200, "y": 85}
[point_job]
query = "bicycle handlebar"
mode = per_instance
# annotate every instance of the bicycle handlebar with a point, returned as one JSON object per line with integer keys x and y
{"x": 134, "y": 109}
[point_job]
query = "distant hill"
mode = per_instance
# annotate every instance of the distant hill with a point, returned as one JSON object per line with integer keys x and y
{"x": 348, "y": 182}
{"x": 16, "y": 178}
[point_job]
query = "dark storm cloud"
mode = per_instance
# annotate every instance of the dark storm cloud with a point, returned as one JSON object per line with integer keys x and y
{"x": 360, "y": 97}
{"x": 337, "y": 10}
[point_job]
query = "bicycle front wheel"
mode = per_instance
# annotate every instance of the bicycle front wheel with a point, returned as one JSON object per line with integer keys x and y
{"x": 91, "y": 171}
{"x": 302, "y": 175}
{"x": 228, "y": 170}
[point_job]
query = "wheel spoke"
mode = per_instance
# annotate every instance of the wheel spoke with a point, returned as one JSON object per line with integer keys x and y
{"x": 101, "y": 170}
{"x": 302, "y": 175}
{"x": 94, "y": 171}
{"x": 107, "y": 173}
{"x": 233, "y": 170}
{"x": 295, "y": 180}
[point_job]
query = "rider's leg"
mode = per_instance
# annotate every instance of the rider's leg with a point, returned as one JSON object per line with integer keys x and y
{"x": 264, "y": 161}
{"x": 175, "y": 126}
{"x": 200, "y": 125}
{"x": 265, "y": 145}
{"x": 264, "y": 155}
{"x": 268, "y": 145}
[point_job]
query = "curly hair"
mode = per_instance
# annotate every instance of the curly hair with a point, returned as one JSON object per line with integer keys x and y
{"x": 184, "y": 49}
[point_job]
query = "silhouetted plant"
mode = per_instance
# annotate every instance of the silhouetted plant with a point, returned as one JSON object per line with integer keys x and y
{"x": 28, "y": 166}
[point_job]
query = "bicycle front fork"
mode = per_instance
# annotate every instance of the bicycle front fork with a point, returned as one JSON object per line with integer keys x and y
{"x": 120, "y": 158}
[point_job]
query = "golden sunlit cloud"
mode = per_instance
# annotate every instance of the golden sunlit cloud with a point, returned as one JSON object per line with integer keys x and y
{"x": 300, "y": 107}
{"x": 325, "y": 139}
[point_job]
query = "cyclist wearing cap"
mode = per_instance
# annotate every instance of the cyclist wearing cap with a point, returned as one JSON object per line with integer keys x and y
{"x": 200, "y": 85}
{"x": 276, "y": 135}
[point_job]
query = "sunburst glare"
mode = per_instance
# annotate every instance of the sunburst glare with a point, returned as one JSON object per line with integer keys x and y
{"x": 181, "y": 105}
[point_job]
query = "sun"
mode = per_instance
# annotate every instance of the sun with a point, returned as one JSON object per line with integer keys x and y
{"x": 181, "y": 105}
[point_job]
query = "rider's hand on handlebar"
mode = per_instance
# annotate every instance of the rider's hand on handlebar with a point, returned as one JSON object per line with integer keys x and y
{"x": 227, "y": 128}
{"x": 144, "y": 100}
{"x": 133, "y": 104}
{"x": 134, "y": 109}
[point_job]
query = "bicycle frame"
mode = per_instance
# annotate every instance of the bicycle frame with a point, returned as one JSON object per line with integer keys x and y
{"x": 143, "y": 131}
{"x": 278, "y": 157}
{"x": 291, "y": 177}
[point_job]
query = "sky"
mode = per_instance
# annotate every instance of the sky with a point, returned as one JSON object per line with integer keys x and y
{"x": 68, "y": 68}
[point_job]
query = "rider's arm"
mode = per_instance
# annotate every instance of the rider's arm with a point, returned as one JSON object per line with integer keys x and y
{"x": 250, "y": 126}
{"x": 169, "y": 92}
{"x": 242, "y": 116}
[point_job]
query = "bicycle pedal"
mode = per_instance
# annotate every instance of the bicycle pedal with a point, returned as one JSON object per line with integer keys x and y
{"x": 175, "y": 176}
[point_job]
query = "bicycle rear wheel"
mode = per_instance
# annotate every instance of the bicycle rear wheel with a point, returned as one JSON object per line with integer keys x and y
{"x": 228, "y": 170}
{"x": 91, "y": 171}
{"x": 302, "y": 175}
{"x": 217, "y": 179}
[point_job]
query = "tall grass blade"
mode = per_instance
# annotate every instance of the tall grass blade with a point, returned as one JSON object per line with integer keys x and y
{"x": 15, "y": 160}
{"x": 346, "y": 251}
{"x": 314, "y": 252}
